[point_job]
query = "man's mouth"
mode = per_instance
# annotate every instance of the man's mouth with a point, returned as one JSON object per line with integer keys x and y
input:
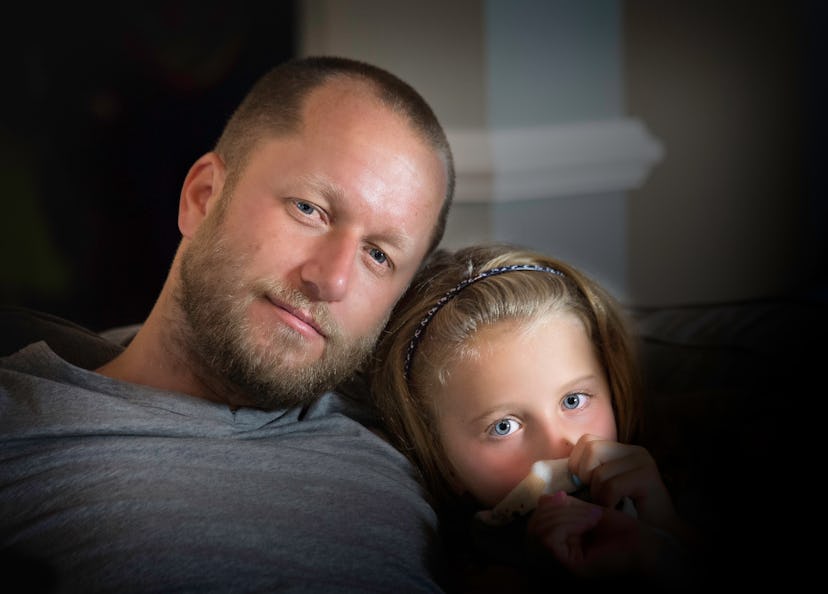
{"x": 301, "y": 315}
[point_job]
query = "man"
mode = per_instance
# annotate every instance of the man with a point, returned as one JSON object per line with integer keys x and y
{"x": 210, "y": 454}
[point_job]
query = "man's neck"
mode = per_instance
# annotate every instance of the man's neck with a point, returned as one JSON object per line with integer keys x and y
{"x": 159, "y": 356}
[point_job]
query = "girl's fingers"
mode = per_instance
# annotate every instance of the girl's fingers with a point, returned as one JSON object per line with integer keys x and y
{"x": 614, "y": 471}
{"x": 559, "y": 523}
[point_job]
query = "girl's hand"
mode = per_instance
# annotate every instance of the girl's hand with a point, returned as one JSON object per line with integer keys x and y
{"x": 614, "y": 470}
{"x": 590, "y": 540}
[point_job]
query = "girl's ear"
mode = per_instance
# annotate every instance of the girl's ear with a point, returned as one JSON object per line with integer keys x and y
{"x": 200, "y": 190}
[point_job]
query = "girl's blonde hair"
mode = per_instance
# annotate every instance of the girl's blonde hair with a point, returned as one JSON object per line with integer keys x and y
{"x": 404, "y": 400}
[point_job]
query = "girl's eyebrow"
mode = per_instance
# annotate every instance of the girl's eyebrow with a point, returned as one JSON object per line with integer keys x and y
{"x": 494, "y": 411}
{"x": 587, "y": 377}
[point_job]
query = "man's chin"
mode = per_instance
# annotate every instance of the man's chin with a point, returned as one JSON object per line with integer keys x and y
{"x": 282, "y": 368}
{"x": 288, "y": 357}
{"x": 284, "y": 377}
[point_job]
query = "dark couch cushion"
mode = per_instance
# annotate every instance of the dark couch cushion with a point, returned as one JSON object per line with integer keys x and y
{"x": 726, "y": 345}
{"x": 20, "y": 326}
{"x": 726, "y": 387}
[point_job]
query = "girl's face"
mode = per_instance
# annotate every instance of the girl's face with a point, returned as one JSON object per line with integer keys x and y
{"x": 528, "y": 395}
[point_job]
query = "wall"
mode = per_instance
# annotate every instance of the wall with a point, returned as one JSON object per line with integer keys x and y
{"x": 104, "y": 108}
{"x": 670, "y": 149}
{"x": 694, "y": 186}
{"x": 728, "y": 214}
{"x": 530, "y": 94}
{"x": 553, "y": 63}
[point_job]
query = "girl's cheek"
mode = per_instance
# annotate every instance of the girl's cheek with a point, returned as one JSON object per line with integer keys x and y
{"x": 493, "y": 477}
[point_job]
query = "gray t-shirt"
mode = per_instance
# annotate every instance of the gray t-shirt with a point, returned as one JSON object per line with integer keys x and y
{"x": 123, "y": 488}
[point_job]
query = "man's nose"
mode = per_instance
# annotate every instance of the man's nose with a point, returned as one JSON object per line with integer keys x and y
{"x": 326, "y": 273}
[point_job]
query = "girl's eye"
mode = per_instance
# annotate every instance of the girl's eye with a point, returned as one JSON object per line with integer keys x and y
{"x": 378, "y": 255}
{"x": 504, "y": 427}
{"x": 574, "y": 401}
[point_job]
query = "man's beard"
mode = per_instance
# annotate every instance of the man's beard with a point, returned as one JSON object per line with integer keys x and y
{"x": 225, "y": 344}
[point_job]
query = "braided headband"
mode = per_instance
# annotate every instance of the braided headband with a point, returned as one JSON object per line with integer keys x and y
{"x": 448, "y": 295}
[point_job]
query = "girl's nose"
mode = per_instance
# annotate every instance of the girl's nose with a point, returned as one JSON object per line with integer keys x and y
{"x": 553, "y": 444}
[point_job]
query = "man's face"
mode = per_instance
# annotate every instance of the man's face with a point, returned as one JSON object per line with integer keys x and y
{"x": 287, "y": 287}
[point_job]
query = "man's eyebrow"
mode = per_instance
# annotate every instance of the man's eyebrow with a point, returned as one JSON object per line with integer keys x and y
{"x": 323, "y": 186}
{"x": 332, "y": 193}
{"x": 396, "y": 240}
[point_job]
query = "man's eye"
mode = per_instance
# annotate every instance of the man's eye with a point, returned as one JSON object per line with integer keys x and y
{"x": 378, "y": 255}
{"x": 504, "y": 427}
{"x": 306, "y": 208}
{"x": 574, "y": 401}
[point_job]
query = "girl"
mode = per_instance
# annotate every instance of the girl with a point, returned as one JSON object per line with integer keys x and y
{"x": 498, "y": 357}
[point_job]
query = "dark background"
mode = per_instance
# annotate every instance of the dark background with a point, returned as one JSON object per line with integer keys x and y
{"x": 104, "y": 109}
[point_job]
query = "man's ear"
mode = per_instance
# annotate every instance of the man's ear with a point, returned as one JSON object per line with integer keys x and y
{"x": 202, "y": 188}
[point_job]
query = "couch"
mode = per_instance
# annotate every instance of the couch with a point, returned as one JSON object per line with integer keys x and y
{"x": 727, "y": 389}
